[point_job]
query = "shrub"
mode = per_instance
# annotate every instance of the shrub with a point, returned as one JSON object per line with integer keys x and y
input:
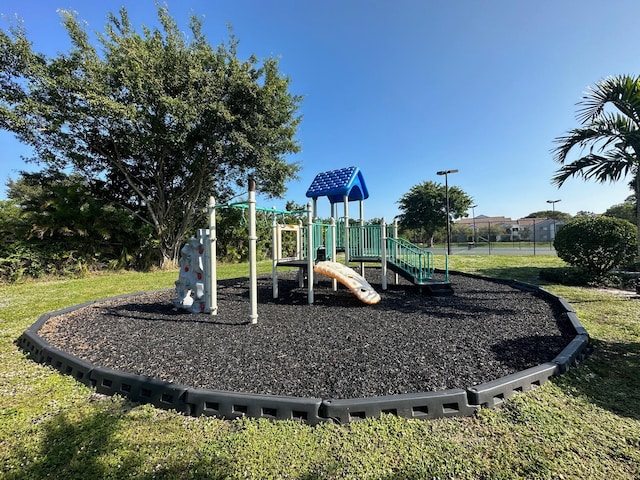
{"x": 575, "y": 276}
{"x": 596, "y": 244}
{"x": 565, "y": 276}
{"x": 22, "y": 260}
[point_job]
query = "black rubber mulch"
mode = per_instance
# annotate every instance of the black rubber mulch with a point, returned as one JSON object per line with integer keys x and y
{"x": 335, "y": 348}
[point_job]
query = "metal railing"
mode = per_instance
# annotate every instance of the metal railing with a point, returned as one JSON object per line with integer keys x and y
{"x": 417, "y": 262}
{"x": 322, "y": 238}
{"x": 369, "y": 234}
{"x": 365, "y": 241}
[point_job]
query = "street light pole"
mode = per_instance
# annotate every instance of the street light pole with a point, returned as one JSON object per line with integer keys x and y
{"x": 553, "y": 207}
{"x": 446, "y": 194}
{"x": 473, "y": 215}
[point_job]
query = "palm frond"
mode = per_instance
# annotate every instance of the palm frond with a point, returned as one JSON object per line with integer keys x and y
{"x": 578, "y": 137}
{"x": 621, "y": 91}
{"x": 611, "y": 131}
{"x": 603, "y": 168}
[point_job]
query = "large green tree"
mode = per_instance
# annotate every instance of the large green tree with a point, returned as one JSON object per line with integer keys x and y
{"x": 424, "y": 207}
{"x": 156, "y": 122}
{"x": 608, "y": 136}
{"x": 625, "y": 210}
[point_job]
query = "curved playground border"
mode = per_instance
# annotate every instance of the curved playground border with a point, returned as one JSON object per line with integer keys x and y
{"x": 230, "y": 405}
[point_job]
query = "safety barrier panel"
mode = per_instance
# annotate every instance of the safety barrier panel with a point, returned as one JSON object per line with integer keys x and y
{"x": 563, "y": 303}
{"x": 322, "y": 238}
{"x": 223, "y": 404}
{"x": 365, "y": 241}
{"x": 572, "y": 353}
{"x": 372, "y": 232}
{"x": 33, "y": 345}
{"x": 68, "y": 364}
{"x": 525, "y": 287}
{"x": 140, "y": 388}
{"x": 492, "y": 394}
{"x": 447, "y": 403}
{"x": 575, "y": 323}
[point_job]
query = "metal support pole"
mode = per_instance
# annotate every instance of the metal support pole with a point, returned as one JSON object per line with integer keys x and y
{"x": 361, "y": 251}
{"x": 396, "y": 278}
{"x": 383, "y": 253}
{"x": 446, "y": 190}
{"x": 346, "y": 231}
{"x": 299, "y": 252}
{"x": 310, "y": 253}
{"x": 446, "y": 194}
{"x": 210, "y": 280}
{"x": 253, "y": 267}
{"x": 275, "y": 255}
{"x": 334, "y": 282}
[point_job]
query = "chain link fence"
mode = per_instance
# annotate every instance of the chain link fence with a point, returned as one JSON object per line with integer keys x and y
{"x": 528, "y": 236}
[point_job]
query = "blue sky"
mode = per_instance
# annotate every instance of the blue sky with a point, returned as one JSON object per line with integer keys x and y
{"x": 404, "y": 88}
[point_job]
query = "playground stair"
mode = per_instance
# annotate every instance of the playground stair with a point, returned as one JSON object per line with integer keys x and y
{"x": 432, "y": 286}
{"x": 408, "y": 260}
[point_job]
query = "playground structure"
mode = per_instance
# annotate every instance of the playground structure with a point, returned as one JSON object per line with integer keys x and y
{"x": 316, "y": 247}
{"x": 198, "y": 281}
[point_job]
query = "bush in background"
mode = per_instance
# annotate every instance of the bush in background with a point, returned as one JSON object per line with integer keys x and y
{"x": 597, "y": 245}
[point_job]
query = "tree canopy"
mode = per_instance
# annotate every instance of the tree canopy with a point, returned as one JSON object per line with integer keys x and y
{"x": 625, "y": 210}
{"x": 424, "y": 207}
{"x": 154, "y": 122}
{"x": 553, "y": 214}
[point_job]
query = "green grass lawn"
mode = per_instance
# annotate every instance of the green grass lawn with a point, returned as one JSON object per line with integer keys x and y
{"x": 585, "y": 424}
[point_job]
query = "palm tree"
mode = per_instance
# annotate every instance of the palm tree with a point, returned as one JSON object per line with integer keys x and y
{"x": 610, "y": 128}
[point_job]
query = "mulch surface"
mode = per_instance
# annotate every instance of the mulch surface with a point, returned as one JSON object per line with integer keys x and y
{"x": 336, "y": 348}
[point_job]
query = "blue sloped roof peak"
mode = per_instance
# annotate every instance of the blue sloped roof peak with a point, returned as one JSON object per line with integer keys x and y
{"x": 336, "y": 184}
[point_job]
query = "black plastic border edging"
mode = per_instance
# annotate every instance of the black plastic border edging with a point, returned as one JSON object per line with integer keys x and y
{"x": 225, "y": 404}
{"x": 447, "y": 403}
{"x": 492, "y": 394}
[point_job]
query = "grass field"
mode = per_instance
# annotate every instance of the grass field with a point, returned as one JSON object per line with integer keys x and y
{"x": 585, "y": 424}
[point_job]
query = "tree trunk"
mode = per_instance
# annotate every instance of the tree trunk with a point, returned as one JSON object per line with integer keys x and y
{"x": 168, "y": 264}
{"x": 169, "y": 254}
{"x": 637, "y": 191}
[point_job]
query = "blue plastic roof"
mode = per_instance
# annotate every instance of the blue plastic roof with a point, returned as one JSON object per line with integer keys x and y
{"x": 335, "y": 184}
